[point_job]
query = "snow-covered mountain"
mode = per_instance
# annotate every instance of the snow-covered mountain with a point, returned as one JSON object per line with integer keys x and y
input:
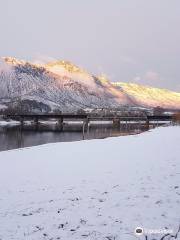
{"x": 149, "y": 96}
{"x": 64, "y": 86}
{"x": 59, "y": 84}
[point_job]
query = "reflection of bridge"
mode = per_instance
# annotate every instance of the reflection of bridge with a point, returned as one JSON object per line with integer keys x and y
{"x": 85, "y": 118}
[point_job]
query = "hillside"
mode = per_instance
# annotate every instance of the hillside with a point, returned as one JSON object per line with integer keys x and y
{"x": 149, "y": 96}
{"x": 61, "y": 85}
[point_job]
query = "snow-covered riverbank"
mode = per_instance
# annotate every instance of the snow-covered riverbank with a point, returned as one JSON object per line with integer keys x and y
{"x": 98, "y": 189}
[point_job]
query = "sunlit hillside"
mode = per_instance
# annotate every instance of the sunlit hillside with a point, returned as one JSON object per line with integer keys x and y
{"x": 63, "y": 85}
{"x": 150, "y": 96}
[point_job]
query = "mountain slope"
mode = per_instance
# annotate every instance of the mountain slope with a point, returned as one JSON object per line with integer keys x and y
{"x": 149, "y": 96}
{"x": 60, "y": 85}
{"x": 64, "y": 86}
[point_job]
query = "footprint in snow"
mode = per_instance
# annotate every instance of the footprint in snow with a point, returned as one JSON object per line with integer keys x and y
{"x": 159, "y": 202}
{"x": 62, "y": 225}
{"x": 74, "y": 199}
{"x": 83, "y": 222}
{"x": 27, "y": 214}
{"x": 146, "y": 196}
{"x": 105, "y": 192}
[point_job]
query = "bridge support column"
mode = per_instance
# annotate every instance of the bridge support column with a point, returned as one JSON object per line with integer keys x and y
{"x": 22, "y": 122}
{"x": 36, "y": 121}
{"x": 116, "y": 123}
{"x": 157, "y": 123}
{"x": 60, "y": 124}
{"x": 147, "y": 124}
{"x": 85, "y": 126}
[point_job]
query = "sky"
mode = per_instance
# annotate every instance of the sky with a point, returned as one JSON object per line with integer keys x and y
{"x": 127, "y": 40}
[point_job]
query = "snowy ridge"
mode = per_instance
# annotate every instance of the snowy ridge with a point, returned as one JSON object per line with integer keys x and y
{"x": 64, "y": 86}
{"x": 149, "y": 96}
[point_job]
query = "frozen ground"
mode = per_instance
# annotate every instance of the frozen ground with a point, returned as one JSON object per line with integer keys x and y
{"x": 98, "y": 189}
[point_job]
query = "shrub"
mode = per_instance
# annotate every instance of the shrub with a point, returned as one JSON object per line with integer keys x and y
{"x": 176, "y": 118}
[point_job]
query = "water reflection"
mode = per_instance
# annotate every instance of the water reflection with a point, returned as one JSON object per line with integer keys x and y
{"x": 16, "y": 137}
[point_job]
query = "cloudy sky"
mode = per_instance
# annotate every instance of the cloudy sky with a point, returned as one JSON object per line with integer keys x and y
{"x": 128, "y": 40}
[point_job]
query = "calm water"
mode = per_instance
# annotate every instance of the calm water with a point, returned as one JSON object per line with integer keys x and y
{"x": 15, "y": 137}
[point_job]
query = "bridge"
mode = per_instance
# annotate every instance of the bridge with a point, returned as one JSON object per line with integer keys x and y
{"x": 87, "y": 118}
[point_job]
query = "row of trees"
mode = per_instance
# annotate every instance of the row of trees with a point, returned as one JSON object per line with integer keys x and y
{"x": 25, "y": 106}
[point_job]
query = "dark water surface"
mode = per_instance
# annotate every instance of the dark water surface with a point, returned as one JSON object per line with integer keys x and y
{"x": 16, "y": 137}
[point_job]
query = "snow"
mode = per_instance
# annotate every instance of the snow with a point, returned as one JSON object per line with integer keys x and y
{"x": 66, "y": 69}
{"x": 149, "y": 96}
{"x": 9, "y": 123}
{"x": 95, "y": 189}
{"x": 2, "y": 106}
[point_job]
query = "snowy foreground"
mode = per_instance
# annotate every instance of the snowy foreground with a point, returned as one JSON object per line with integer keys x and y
{"x": 98, "y": 189}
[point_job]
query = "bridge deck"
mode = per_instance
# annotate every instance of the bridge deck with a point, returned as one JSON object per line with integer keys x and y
{"x": 89, "y": 117}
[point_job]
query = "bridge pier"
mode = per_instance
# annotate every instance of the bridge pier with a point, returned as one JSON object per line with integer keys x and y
{"x": 85, "y": 126}
{"x": 116, "y": 122}
{"x": 157, "y": 123}
{"x": 22, "y": 122}
{"x": 60, "y": 124}
{"x": 129, "y": 125}
{"x": 147, "y": 124}
{"x": 36, "y": 122}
